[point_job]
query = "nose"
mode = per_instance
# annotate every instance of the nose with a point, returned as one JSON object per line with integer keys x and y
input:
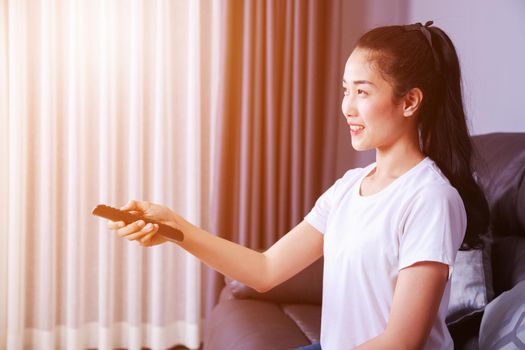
{"x": 348, "y": 106}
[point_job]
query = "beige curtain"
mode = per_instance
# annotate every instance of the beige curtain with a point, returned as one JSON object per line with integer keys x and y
{"x": 101, "y": 101}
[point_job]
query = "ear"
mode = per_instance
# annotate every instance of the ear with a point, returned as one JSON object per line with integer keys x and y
{"x": 411, "y": 102}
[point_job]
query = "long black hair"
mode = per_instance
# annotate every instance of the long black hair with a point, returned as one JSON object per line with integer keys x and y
{"x": 423, "y": 56}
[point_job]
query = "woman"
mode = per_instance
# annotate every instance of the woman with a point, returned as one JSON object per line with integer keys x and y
{"x": 389, "y": 232}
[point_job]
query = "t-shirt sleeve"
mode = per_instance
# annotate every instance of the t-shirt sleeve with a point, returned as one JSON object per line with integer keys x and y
{"x": 318, "y": 216}
{"x": 434, "y": 227}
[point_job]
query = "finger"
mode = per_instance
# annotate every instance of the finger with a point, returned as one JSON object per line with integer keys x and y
{"x": 145, "y": 240}
{"x": 137, "y": 236}
{"x": 131, "y": 228}
{"x": 115, "y": 225}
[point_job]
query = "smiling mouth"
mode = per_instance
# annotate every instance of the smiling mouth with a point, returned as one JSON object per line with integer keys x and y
{"x": 356, "y": 127}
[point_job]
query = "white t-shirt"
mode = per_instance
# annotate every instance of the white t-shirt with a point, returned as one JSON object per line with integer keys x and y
{"x": 369, "y": 239}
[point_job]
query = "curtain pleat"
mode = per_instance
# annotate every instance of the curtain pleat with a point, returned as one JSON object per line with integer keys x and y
{"x": 285, "y": 146}
{"x": 277, "y": 119}
{"x": 4, "y": 169}
{"x": 102, "y": 102}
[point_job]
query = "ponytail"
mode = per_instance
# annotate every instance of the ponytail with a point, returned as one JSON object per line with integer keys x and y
{"x": 409, "y": 59}
{"x": 445, "y": 139}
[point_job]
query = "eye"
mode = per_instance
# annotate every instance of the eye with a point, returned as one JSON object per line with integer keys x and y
{"x": 361, "y": 92}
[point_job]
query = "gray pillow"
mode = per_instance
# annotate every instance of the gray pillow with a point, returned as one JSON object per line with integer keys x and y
{"x": 471, "y": 284}
{"x": 503, "y": 322}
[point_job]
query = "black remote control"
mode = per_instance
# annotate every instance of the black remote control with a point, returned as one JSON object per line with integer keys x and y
{"x": 115, "y": 214}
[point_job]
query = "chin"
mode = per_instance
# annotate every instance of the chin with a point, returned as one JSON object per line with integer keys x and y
{"x": 360, "y": 147}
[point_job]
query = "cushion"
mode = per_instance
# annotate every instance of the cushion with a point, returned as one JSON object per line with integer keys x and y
{"x": 499, "y": 166}
{"x": 307, "y": 318}
{"x": 251, "y": 324}
{"x": 471, "y": 284}
{"x": 503, "y": 323}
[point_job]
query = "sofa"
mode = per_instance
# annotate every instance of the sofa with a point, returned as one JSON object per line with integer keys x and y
{"x": 489, "y": 310}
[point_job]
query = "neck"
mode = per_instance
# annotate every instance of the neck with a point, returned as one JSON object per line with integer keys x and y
{"x": 394, "y": 161}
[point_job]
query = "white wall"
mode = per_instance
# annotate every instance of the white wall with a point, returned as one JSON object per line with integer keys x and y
{"x": 490, "y": 39}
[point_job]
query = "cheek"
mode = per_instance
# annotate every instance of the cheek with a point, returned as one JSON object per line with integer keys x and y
{"x": 380, "y": 121}
{"x": 379, "y": 112}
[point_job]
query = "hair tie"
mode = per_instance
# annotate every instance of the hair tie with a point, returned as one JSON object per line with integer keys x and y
{"x": 424, "y": 29}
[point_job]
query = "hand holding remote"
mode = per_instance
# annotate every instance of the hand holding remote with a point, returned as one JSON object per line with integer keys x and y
{"x": 146, "y": 222}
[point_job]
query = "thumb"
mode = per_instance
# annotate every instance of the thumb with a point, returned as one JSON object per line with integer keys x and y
{"x": 134, "y": 205}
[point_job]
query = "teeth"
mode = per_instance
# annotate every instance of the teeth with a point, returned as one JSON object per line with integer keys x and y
{"x": 356, "y": 127}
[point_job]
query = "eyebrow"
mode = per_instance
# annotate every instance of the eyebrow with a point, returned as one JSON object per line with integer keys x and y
{"x": 360, "y": 82}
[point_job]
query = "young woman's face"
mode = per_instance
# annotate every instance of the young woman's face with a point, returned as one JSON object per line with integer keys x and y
{"x": 375, "y": 120}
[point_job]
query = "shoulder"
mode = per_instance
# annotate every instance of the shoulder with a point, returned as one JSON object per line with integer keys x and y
{"x": 430, "y": 188}
{"x": 429, "y": 173}
{"x": 437, "y": 192}
{"x": 430, "y": 182}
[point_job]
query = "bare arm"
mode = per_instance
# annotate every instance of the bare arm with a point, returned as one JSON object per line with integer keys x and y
{"x": 262, "y": 271}
{"x": 417, "y": 297}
